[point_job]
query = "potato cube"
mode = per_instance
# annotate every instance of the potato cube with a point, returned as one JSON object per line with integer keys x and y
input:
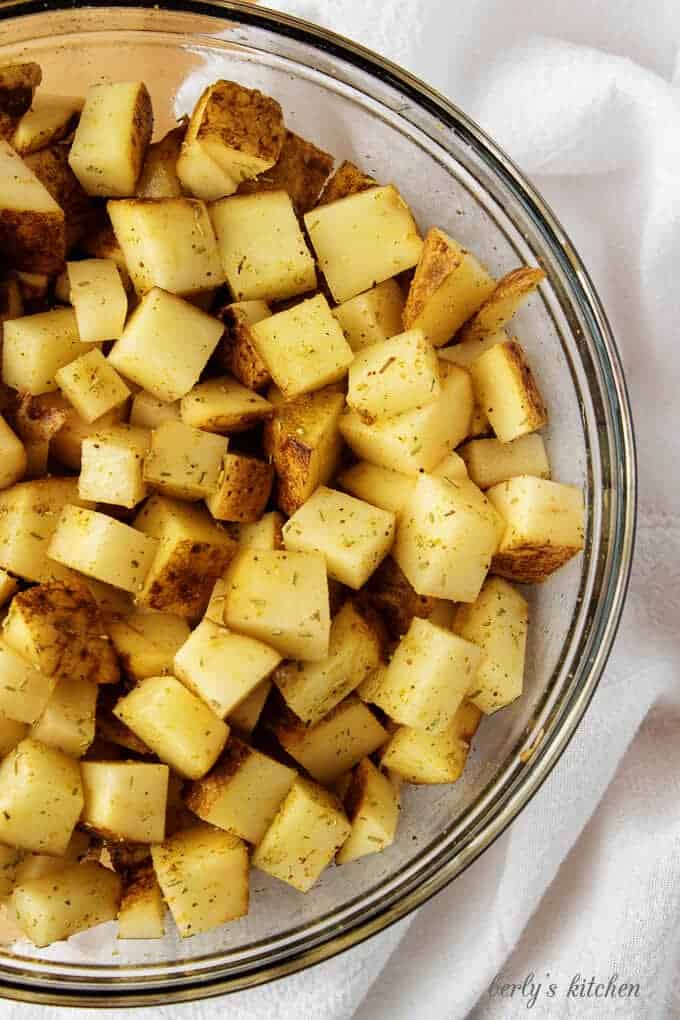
{"x": 280, "y": 598}
{"x": 101, "y": 547}
{"x": 302, "y": 840}
{"x": 363, "y": 239}
{"x": 146, "y": 642}
{"x": 453, "y": 468}
{"x": 148, "y": 412}
{"x": 372, "y": 804}
{"x": 112, "y": 466}
{"x": 347, "y": 734}
{"x": 223, "y": 405}
{"x": 267, "y": 533}
{"x": 489, "y": 461}
{"x": 167, "y": 243}
{"x": 425, "y": 758}
{"x": 24, "y": 690}
{"x": 67, "y": 444}
{"x": 11, "y": 732}
{"x": 300, "y": 170}
{"x": 13, "y": 458}
{"x": 203, "y": 874}
{"x": 372, "y": 317}
{"x": 348, "y": 179}
{"x": 263, "y": 251}
{"x": 245, "y": 716}
{"x": 353, "y": 536}
{"x": 125, "y": 800}
{"x": 159, "y": 178}
{"x": 68, "y": 719}
{"x": 390, "y": 592}
{"x": 41, "y": 798}
{"x": 377, "y": 485}
{"x": 502, "y": 303}
{"x": 236, "y": 352}
{"x": 35, "y": 348}
{"x": 178, "y": 727}
{"x": 98, "y": 297}
{"x": 242, "y": 793}
{"x": 200, "y": 175}
{"x": 240, "y": 129}
{"x": 428, "y": 677}
{"x": 92, "y": 385}
{"x": 312, "y": 689}
{"x": 184, "y": 462}
{"x": 32, "y": 225}
{"x": 49, "y": 119}
{"x": 467, "y": 351}
{"x": 243, "y": 489}
{"x": 448, "y": 533}
{"x": 397, "y": 375}
{"x": 113, "y": 603}
{"x": 506, "y": 391}
{"x": 448, "y": 287}
{"x": 544, "y": 527}
{"x": 142, "y": 911}
{"x": 111, "y": 138}
{"x": 55, "y": 907}
{"x": 52, "y": 169}
{"x": 165, "y": 345}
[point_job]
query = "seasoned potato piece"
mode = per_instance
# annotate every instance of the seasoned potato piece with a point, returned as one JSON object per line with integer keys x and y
{"x": 112, "y": 464}
{"x": 448, "y": 287}
{"x": 148, "y": 412}
{"x": 68, "y": 719}
{"x": 125, "y": 800}
{"x": 36, "y": 865}
{"x": 243, "y": 489}
{"x": 267, "y": 533}
{"x": 489, "y": 461}
{"x": 24, "y": 690}
{"x": 203, "y": 873}
{"x": 49, "y": 119}
{"x": 544, "y": 527}
{"x": 506, "y": 391}
{"x": 223, "y": 405}
{"x": 377, "y": 227}
{"x": 55, "y": 907}
{"x": 502, "y": 303}
{"x": 41, "y": 798}
{"x": 300, "y": 170}
{"x": 92, "y": 385}
{"x": 146, "y": 642}
{"x": 184, "y": 462}
{"x": 13, "y": 460}
{"x": 236, "y": 351}
{"x": 200, "y": 175}
{"x": 52, "y": 169}
{"x": 421, "y": 757}
{"x": 178, "y": 727}
{"x": 452, "y": 468}
{"x": 11, "y": 732}
{"x": 390, "y": 592}
{"x": 352, "y": 536}
{"x": 113, "y": 603}
{"x": 32, "y": 224}
{"x": 348, "y": 179}
{"x": 372, "y": 804}
{"x": 372, "y": 317}
{"x": 244, "y": 717}
{"x": 309, "y": 827}
{"x": 467, "y": 351}
{"x": 280, "y": 598}
{"x": 377, "y": 485}
{"x": 448, "y": 532}
{"x": 98, "y": 297}
{"x": 394, "y": 376}
{"x": 101, "y": 547}
{"x": 263, "y": 251}
{"x": 35, "y": 348}
{"x": 67, "y": 444}
{"x": 165, "y": 345}
{"x": 110, "y": 142}
{"x": 242, "y": 793}
{"x": 159, "y": 178}
{"x": 142, "y": 911}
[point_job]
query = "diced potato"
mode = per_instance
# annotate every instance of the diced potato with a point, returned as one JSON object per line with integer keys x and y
{"x": 68, "y": 719}
{"x": 309, "y": 827}
{"x": 448, "y": 287}
{"x": 165, "y": 345}
{"x": 146, "y": 642}
{"x": 377, "y": 485}
{"x": 13, "y": 460}
{"x": 55, "y": 907}
{"x": 417, "y": 440}
{"x": 200, "y": 175}
{"x": 300, "y": 170}
{"x": 348, "y": 179}
{"x": 236, "y": 352}
{"x": 544, "y": 527}
{"x": 453, "y": 468}
{"x": 52, "y": 169}
{"x": 372, "y": 804}
{"x": 263, "y": 251}
{"x": 502, "y": 303}
{"x": 184, "y": 462}
{"x": 280, "y": 598}
{"x": 193, "y": 553}
{"x": 428, "y": 677}
{"x": 10, "y": 857}
{"x": 363, "y": 239}
{"x": 112, "y": 465}
{"x": 203, "y": 874}
{"x": 506, "y": 391}
{"x": 242, "y": 793}
{"x": 425, "y": 758}
{"x": 98, "y": 297}
{"x": 41, "y": 798}
{"x": 342, "y": 738}
{"x": 101, "y": 547}
{"x": 245, "y": 716}
{"x": 36, "y": 865}
{"x": 49, "y": 119}
{"x": 497, "y": 622}
{"x": 489, "y": 461}
{"x": 448, "y": 533}
{"x": 32, "y": 225}
{"x": 397, "y": 375}
{"x": 159, "y": 178}
{"x": 467, "y": 351}
{"x": 167, "y": 243}
{"x": 113, "y": 603}
{"x": 223, "y": 405}
{"x": 24, "y": 690}
{"x": 353, "y": 536}
{"x": 372, "y": 317}
{"x": 148, "y": 412}
{"x": 267, "y": 533}
{"x": 390, "y": 592}
{"x": 92, "y": 385}
{"x": 125, "y": 800}
{"x": 243, "y": 489}
{"x": 312, "y": 689}
{"x": 142, "y": 911}
{"x": 11, "y": 732}
{"x": 111, "y": 138}
{"x": 35, "y": 348}
{"x": 178, "y": 727}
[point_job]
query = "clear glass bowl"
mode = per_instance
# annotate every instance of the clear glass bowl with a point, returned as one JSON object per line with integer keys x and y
{"x": 358, "y": 106}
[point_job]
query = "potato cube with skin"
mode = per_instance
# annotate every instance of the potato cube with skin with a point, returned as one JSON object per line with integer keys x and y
{"x": 506, "y": 391}
{"x": 32, "y": 224}
{"x": 167, "y": 243}
{"x": 146, "y": 642}
{"x": 347, "y": 734}
{"x": 92, "y": 385}
{"x": 263, "y": 251}
{"x": 372, "y": 317}
{"x": 244, "y": 717}
{"x": 125, "y": 800}
{"x": 448, "y": 533}
{"x": 489, "y": 461}
{"x": 544, "y": 527}
{"x": 49, "y": 119}
{"x": 267, "y": 533}
{"x": 184, "y": 462}
{"x": 397, "y": 375}
{"x": 68, "y": 719}
{"x": 300, "y": 170}
{"x": 448, "y": 287}
{"x": 372, "y": 804}
{"x": 99, "y": 299}
{"x": 11, "y": 732}
{"x": 159, "y": 178}
{"x": 165, "y": 345}
{"x": 236, "y": 351}
{"x": 203, "y": 874}
{"x": 348, "y": 179}
{"x": 243, "y": 489}
{"x": 223, "y": 667}
{"x": 101, "y": 547}
{"x": 112, "y": 465}
{"x": 467, "y": 351}
{"x": 428, "y": 677}
{"x": 52, "y": 169}
{"x": 309, "y": 827}
{"x": 178, "y": 727}
{"x": 41, "y": 797}
{"x": 363, "y": 239}
{"x": 200, "y": 175}
{"x": 280, "y": 598}
{"x": 242, "y": 793}
{"x": 390, "y": 592}
{"x": 54, "y": 907}
{"x": 24, "y": 690}
{"x": 353, "y": 536}
{"x": 223, "y": 405}
{"x": 35, "y": 347}
{"x": 453, "y": 468}
{"x": 111, "y": 138}
{"x": 142, "y": 911}
{"x": 508, "y": 294}
{"x": 18, "y": 83}
{"x": 148, "y": 412}
{"x": 13, "y": 459}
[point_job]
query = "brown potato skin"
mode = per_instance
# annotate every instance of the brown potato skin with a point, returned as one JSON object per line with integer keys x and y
{"x": 243, "y": 119}
{"x": 185, "y": 584}
{"x": 391, "y": 594}
{"x": 531, "y": 564}
{"x": 301, "y": 170}
{"x": 34, "y": 242}
{"x": 348, "y": 179}
{"x": 51, "y": 167}
{"x": 18, "y": 83}
{"x": 516, "y": 285}
{"x": 537, "y": 413}
{"x": 244, "y": 489}
{"x": 437, "y": 261}
{"x": 236, "y": 352}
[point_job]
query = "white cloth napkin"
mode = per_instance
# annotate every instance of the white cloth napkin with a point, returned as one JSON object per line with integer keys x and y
{"x": 585, "y": 95}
